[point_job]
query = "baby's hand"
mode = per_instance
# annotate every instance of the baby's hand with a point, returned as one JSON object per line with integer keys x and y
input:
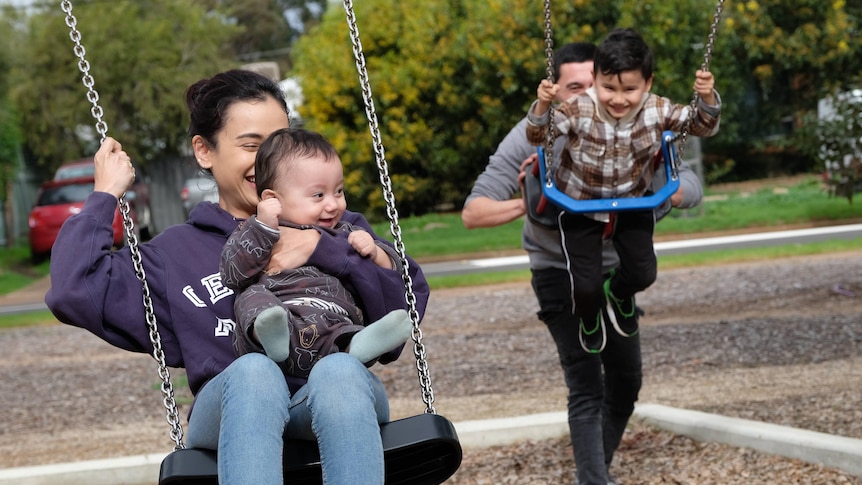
{"x": 363, "y": 243}
{"x": 268, "y": 211}
{"x": 704, "y": 83}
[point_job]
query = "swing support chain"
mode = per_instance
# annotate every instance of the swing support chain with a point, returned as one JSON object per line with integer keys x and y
{"x": 392, "y": 211}
{"x": 168, "y": 399}
{"x": 549, "y": 71}
{"x": 707, "y": 55}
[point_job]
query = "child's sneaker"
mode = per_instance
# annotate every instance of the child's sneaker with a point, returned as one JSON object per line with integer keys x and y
{"x": 622, "y": 313}
{"x": 593, "y": 339}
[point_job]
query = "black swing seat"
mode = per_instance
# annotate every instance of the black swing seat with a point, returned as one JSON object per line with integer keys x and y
{"x": 418, "y": 450}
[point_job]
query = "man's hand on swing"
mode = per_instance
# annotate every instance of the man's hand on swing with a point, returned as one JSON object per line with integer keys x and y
{"x": 676, "y": 198}
{"x": 114, "y": 172}
{"x": 525, "y": 165}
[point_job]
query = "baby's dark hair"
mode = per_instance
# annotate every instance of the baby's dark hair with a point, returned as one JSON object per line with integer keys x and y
{"x": 623, "y": 50}
{"x": 573, "y": 52}
{"x": 285, "y": 146}
{"x": 209, "y": 99}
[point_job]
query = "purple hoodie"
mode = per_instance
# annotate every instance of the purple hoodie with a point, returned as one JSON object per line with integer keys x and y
{"x": 97, "y": 289}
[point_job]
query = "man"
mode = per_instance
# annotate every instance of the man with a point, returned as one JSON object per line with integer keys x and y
{"x": 603, "y": 387}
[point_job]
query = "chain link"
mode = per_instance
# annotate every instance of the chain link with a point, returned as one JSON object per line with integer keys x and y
{"x": 707, "y": 55}
{"x": 168, "y": 399}
{"x": 549, "y": 71}
{"x": 392, "y": 212}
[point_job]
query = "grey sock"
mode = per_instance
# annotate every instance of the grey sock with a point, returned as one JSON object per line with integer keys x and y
{"x": 381, "y": 336}
{"x": 273, "y": 333}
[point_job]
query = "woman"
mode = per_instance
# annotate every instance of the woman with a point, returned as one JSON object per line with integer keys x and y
{"x": 242, "y": 405}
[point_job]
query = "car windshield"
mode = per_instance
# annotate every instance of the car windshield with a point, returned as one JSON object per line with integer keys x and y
{"x": 75, "y": 171}
{"x": 65, "y": 194}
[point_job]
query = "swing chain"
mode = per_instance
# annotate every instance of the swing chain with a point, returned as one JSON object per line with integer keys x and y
{"x": 168, "y": 399}
{"x": 391, "y": 210}
{"x": 549, "y": 71}
{"x": 707, "y": 55}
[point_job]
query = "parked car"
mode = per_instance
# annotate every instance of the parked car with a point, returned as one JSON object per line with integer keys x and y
{"x": 138, "y": 195}
{"x": 56, "y": 201}
{"x": 198, "y": 189}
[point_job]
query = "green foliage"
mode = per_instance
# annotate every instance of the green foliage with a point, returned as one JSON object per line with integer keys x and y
{"x": 264, "y": 32}
{"x": 797, "y": 51}
{"x": 142, "y": 56}
{"x": 10, "y": 132}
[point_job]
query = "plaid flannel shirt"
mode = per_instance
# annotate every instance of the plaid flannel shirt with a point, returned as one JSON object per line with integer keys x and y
{"x": 608, "y": 158}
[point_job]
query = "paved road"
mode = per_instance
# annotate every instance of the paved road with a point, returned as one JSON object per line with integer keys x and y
{"x": 799, "y": 236}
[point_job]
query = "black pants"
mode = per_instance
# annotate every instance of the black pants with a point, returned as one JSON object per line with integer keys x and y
{"x": 582, "y": 246}
{"x": 602, "y": 388}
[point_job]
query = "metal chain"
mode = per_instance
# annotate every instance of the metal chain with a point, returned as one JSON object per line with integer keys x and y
{"x": 391, "y": 210}
{"x": 707, "y": 55}
{"x": 173, "y": 416}
{"x": 549, "y": 71}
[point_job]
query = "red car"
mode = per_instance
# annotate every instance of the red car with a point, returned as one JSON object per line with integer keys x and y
{"x": 56, "y": 201}
{"x": 138, "y": 195}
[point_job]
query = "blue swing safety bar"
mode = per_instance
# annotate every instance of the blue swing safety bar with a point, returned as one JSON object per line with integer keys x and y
{"x": 647, "y": 202}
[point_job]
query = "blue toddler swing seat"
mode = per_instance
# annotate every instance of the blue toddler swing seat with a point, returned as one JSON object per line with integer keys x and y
{"x": 667, "y": 156}
{"x": 418, "y": 450}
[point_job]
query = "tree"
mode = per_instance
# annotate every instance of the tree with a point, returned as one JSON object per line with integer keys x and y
{"x": 267, "y": 28}
{"x": 797, "y": 53}
{"x": 142, "y": 56}
{"x": 10, "y": 132}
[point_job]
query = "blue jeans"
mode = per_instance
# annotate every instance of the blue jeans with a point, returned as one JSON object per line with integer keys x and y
{"x": 244, "y": 411}
{"x": 602, "y": 387}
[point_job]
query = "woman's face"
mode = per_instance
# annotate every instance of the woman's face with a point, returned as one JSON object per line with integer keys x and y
{"x": 231, "y": 161}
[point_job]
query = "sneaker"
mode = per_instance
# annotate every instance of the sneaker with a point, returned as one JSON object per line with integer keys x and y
{"x": 592, "y": 339}
{"x": 622, "y": 313}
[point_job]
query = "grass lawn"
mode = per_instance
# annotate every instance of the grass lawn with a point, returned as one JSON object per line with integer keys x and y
{"x": 731, "y": 208}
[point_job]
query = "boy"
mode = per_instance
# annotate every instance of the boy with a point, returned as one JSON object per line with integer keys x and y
{"x": 613, "y": 131}
{"x": 298, "y": 316}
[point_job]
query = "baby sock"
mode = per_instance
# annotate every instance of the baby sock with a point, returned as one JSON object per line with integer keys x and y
{"x": 273, "y": 333}
{"x": 381, "y": 336}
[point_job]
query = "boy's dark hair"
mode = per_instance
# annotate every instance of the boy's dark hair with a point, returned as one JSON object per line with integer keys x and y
{"x": 623, "y": 50}
{"x": 285, "y": 146}
{"x": 573, "y": 52}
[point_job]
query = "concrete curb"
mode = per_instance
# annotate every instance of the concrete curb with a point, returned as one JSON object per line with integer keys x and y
{"x": 832, "y": 451}
{"x": 130, "y": 470}
{"x": 829, "y": 450}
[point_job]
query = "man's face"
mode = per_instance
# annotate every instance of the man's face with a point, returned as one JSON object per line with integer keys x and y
{"x": 575, "y": 78}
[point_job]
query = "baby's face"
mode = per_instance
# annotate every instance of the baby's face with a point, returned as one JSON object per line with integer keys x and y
{"x": 620, "y": 93}
{"x": 312, "y": 192}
